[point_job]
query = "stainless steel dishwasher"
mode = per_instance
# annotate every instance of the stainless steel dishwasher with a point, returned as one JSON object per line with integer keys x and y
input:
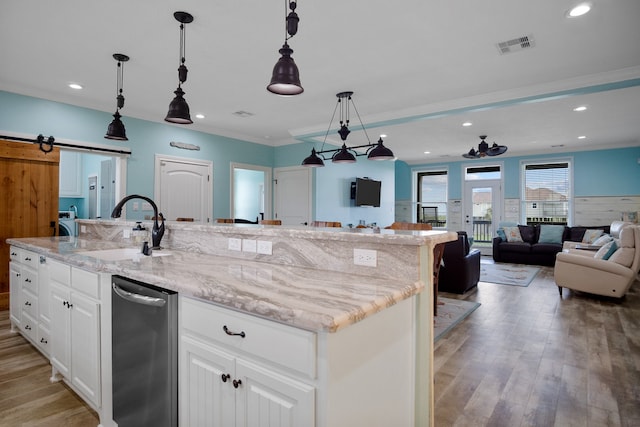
{"x": 145, "y": 354}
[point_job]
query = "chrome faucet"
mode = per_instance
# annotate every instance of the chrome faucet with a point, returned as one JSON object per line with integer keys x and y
{"x": 157, "y": 231}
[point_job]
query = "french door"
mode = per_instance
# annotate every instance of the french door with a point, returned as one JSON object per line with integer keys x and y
{"x": 482, "y": 209}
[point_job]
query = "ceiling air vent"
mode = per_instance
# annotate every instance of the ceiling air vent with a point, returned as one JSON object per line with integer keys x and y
{"x": 243, "y": 114}
{"x": 515, "y": 45}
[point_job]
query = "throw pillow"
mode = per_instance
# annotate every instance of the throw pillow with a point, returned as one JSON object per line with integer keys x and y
{"x": 513, "y": 234}
{"x": 590, "y": 236}
{"x": 551, "y": 233}
{"x": 606, "y": 251}
{"x": 623, "y": 256}
{"x": 602, "y": 240}
{"x": 528, "y": 233}
{"x": 501, "y": 234}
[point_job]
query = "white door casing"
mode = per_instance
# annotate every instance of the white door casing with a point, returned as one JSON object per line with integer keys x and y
{"x": 183, "y": 188}
{"x": 293, "y": 195}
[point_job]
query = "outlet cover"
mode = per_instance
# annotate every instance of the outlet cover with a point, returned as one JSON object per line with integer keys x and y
{"x": 235, "y": 244}
{"x": 248, "y": 245}
{"x": 265, "y": 247}
{"x": 366, "y": 257}
{"x": 126, "y": 233}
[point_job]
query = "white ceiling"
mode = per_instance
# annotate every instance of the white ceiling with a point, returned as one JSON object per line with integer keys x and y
{"x": 418, "y": 68}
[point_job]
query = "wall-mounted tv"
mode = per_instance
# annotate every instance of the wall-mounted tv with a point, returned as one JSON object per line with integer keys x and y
{"x": 367, "y": 192}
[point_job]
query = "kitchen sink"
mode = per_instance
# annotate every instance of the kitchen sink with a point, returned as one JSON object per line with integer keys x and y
{"x": 120, "y": 254}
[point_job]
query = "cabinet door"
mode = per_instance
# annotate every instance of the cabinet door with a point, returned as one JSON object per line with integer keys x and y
{"x": 268, "y": 399}
{"x": 70, "y": 174}
{"x": 206, "y": 397}
{"x": 85, "y": 346}
{"x": 15, "y": 295}
{"x": 60, "y": 329}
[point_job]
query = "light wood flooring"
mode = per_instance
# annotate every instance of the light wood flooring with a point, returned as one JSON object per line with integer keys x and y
{"x": 527, "y": 357}
{"x": 27, "y": 397}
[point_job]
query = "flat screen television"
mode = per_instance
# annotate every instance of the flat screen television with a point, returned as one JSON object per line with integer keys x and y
{"x": 367, "y": 192}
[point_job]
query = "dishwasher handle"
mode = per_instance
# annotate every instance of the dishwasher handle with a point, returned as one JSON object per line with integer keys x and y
{"x": 137, "y": 298}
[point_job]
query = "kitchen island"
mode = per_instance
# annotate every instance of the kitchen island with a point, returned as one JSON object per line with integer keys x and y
{"x": 360, "y": 331}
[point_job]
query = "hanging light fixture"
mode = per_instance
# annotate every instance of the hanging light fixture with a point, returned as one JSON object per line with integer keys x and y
{"x": 116, "y": 128}
{"x": 485, "y": 150}
{"x": 179, "y": 109}
{"x": 285, "y": 79}
{"x": 346, "y": 154}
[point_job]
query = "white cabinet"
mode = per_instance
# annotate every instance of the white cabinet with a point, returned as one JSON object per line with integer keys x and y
{"x": 236, "y": 370}
{"x": 75, "y": 328}
{"x": 70, "y": 174}
{"x": 29, "y": 297}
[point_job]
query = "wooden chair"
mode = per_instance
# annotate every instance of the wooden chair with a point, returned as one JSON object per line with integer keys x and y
{"x": 224, "y": 220}
{"x": 326, "y": 224}
{"x": 184, "y": 219}
{"x": 409, "y": 226}
{"x": 271, "y": 222}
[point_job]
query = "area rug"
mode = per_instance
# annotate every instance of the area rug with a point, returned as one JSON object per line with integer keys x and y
{"x": 508, "y": 274}
{"x": 450, "y": 313}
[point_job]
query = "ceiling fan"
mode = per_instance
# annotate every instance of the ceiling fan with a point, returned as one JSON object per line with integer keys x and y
{"x": 485, "y": 150}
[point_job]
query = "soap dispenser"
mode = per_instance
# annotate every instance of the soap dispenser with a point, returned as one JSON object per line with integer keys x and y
{"x": 139, "y": 233}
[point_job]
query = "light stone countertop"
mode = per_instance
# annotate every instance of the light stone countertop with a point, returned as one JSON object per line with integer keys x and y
{"x": 302, "y": 297}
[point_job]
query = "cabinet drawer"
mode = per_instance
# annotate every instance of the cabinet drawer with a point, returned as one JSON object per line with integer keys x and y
{"x": 44, "y": 339}
{"x": 14, "y": 254}
{"x": 59, "y": 272}
{"x": 29, "y": 303}
{"x": 30, "y": 258}
{"x": 29, "y": 279}
{"x": 86, "y": 282}
{"x": 287, "y": 346}
{"x": 29, "y": 326}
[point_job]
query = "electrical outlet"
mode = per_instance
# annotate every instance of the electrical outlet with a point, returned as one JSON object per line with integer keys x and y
{"x": 265, "y": 247}
{"x": 235, "y": 244}
{"x": 136, "y": 206}
{"x": 366, "y": 257}
{"x": 126, "y": 233}
{"x": 248, "y": 245}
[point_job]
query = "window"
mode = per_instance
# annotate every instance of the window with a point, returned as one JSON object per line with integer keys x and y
{"x": 546, "y": 193}
{"x": 482, "y": 172}
{"x": 432, "y": 198}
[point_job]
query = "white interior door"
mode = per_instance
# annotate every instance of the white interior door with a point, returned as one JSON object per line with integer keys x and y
{"x": 482, "y": 209}
{"x": 250, "y": 191}
{"x": 184, "y": 188}
{"x": 293, "y": 193}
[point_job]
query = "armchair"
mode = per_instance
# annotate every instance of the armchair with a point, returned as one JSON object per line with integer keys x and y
{"x": 461, "y": 266}
{"x": 612, "y": 277}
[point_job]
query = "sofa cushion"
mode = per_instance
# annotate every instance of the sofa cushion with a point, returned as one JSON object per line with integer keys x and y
{"x": 528, "y": 233}
{"x": 551, "y": 233}
{"x": 591, "y": 235}
{"x": 501, "y": 234}
{"x": 606, "y": 251}
{"x": 513, "y": 234}
{"x": 520, "y": 247}
{"x": 602, "y": 240}
{"x": 623, "y": 256}
{"x": 545, "y": 248}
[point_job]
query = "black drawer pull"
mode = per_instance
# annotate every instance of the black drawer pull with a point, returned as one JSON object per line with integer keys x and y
{"x": 27, "y": 327}
{"x": 237, "y": 383}
{"x": 228, "y": 332}
{"x": 27, "y": 303}
{"x": 225, "y": 377}
{"x": 43, "y": 341}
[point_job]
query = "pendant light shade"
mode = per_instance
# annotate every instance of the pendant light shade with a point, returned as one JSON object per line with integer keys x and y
{"x": 346, "y": 154}
{"x": 380, "y": 152}
{"x": 116, "y": 130}
{"x": 179, "y": 109}
{"x": 313, "y": 161}
{"x": 285, "y": 78}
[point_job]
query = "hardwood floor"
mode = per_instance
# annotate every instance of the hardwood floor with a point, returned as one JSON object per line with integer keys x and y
{"x": 27, "y": 397}
{"x": 527, "y": 357}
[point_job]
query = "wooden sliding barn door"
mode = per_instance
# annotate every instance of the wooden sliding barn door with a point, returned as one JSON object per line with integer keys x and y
{"x": 28, "y": 199}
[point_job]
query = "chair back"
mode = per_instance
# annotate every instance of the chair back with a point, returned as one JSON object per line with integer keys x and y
{"x": 184, "y": 219}
{"x": 409, "y": 226}
{"x": 271, "y": 222}
{"x": 224, "y": 220}
{"x": 616, "y": 226}
{"x": 326, "y": 224}
{"x": 458, "y": 248}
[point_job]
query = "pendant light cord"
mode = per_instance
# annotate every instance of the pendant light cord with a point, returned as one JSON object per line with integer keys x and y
{"x": 329, "y": 128}
{"x": 119, "y": 81}
{"x": 360, "y": 120}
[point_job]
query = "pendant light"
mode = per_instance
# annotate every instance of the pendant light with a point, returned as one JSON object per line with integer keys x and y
{"x": 179, "y": 109}
{"x": 116, "y": 128}
{"x": 346, "y": 154}
{"x": 285, "y": 79}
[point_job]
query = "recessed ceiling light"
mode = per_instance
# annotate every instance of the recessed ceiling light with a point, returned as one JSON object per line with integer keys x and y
{"x": 383, "y": 135}
{"x": 427, "y": 152}
{"x": 580, "y": 108}
{"x": 75, "y": 86}
{"x": 467, "y": 124}
{"x": 582, "y": 137}
{"x": 199, "y": 116}
{"x": 579, "y": 10}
